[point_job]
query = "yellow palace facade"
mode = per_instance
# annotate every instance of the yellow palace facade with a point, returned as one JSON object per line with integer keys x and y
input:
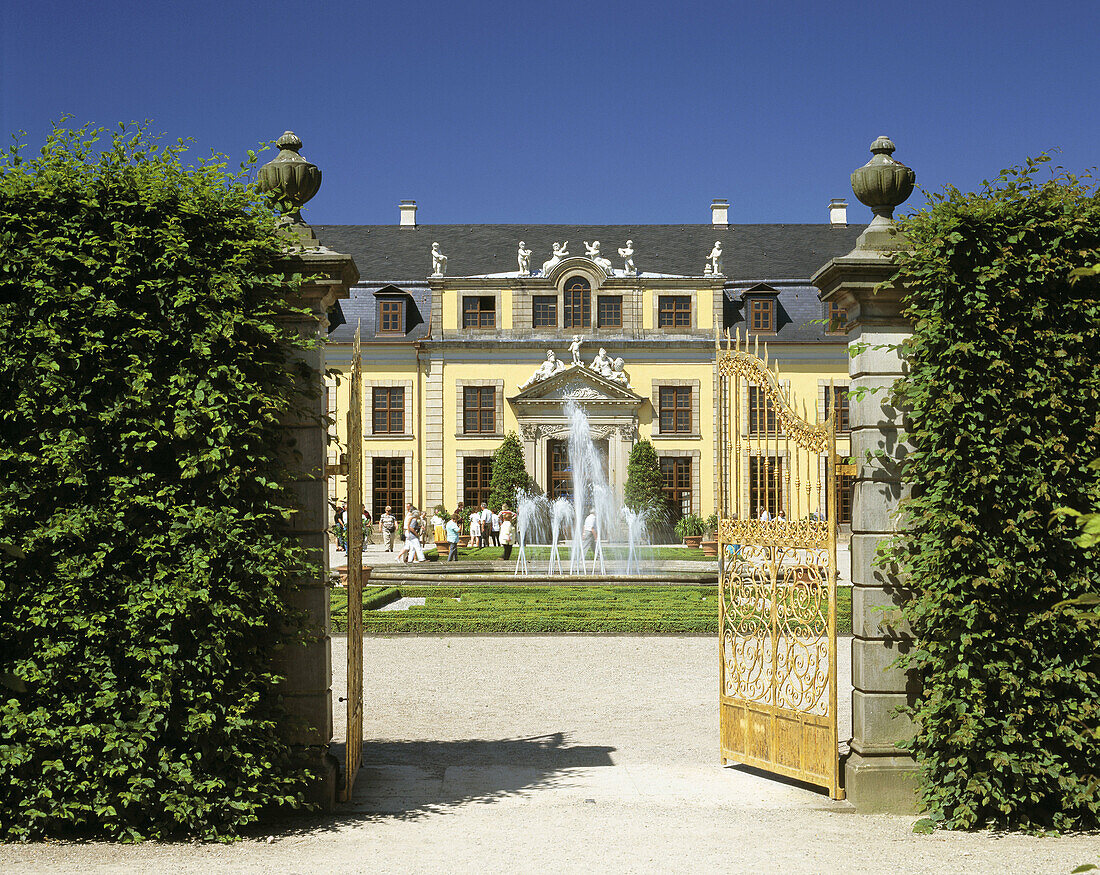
{"x": 470, "y": 332}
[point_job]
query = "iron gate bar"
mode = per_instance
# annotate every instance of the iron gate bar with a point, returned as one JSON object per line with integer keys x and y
{"x": 353, "y": 738}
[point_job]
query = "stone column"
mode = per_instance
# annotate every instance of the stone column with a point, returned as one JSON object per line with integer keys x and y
{"x": 878, "y": 775}
{"x": 328, "y": 276}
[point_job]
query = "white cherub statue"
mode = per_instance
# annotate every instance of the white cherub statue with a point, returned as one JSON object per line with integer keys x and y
{"x": 560, "y": 252}
{"x": 716, "y": 258}
{"x": 627, "y": 254}
{"x": 524, "y": 257}
{"x": 439, "y": 261}
{"x": 601, "y": 364}
{"x": 593, "y": 250}
{"x": 546, "y": 370}
{"x": 575, "y": 349}
{"x": 618, "y": 374}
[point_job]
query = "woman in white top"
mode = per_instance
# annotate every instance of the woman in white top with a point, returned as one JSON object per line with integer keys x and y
{"x": 506, "y": 533}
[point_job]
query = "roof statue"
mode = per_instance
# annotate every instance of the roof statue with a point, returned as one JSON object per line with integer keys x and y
{"x": 618, "y": 375}
{"x": 716, "y": 259}
{"x": 524, "y": 258}
{"x": 575, "y": 350}
{"x": 439, "y": 261}
{"x": 627, "y": 254}
{"x": 593, "y": 250}
{"x": 560, "y": 252}
{"x": 546, "y": 370}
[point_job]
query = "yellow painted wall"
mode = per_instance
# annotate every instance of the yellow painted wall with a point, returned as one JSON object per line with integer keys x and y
{"x": 647, "y": 309}
{"x": 506, "y": 309}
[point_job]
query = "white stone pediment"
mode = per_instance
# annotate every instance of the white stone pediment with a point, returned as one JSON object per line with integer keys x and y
{"x": 577, "y": 384}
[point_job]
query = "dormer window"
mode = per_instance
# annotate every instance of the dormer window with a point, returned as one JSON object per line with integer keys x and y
{"x": 479, "y": 311}
{"x": 836, "y": 318}
{"x": 761, "y": 309}
{"x": 391, "y": 316}
{"x": 762, "y": 316}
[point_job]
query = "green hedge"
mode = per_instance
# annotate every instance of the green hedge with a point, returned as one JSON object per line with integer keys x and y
{"x": 1004, "y": 393}
{"x": 143, "y": 371}
{"x": 560, "y": 609}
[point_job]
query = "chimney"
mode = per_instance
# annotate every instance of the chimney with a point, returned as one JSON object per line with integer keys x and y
{"x": 719, "y": 213}
{"x": 838, "y": 213}
{"x": 408, "y": 214}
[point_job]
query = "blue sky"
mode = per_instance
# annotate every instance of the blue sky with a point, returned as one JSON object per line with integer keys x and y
{"x": 575, "y": 112}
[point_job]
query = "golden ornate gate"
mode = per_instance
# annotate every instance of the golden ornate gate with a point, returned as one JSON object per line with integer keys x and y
{"x": 353, "y": 744}
{"x": 777, "y": 542}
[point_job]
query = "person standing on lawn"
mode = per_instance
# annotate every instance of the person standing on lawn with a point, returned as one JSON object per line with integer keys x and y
{"x": 494, "y": 522}
{"x": 389, "y": 528}
{"x": 505, "y": 532}
{"x": 589, "y": 539}
{"x": 475, "y": 530}
{"x": 486, "y": 525}
{"x": 454, "y": 527}
{"x": 415, "y": 551}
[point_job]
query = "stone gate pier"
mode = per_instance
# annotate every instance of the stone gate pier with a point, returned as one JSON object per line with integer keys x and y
{"x": 879, "y": 775}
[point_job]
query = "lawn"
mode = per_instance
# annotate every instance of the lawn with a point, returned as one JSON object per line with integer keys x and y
{"x": 457, "y": 610}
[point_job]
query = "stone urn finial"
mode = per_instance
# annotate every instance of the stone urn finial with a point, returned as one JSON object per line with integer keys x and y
{"x": 883, "y": 184}
{"x": 290, "y": 176}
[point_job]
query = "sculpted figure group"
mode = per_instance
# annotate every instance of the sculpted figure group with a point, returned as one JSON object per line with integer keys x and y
{"x": 602, "y": 364}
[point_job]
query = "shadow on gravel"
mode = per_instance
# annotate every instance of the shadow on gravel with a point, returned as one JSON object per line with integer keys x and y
{"x": 411, "y": 779}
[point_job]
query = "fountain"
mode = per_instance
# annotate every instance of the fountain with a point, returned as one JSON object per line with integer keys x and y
{"x": 588, "y": 519}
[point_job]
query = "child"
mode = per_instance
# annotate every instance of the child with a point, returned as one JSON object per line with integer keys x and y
{"x": 475, "y": 530}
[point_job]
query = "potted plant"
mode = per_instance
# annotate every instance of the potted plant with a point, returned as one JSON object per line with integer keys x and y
{"x": 710, "y": 543}
{"x": 690, "y": 529}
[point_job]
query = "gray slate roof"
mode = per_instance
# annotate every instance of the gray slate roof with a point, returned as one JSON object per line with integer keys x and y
{"x": 785, "y": 256}
{"x": 386, "y": 253}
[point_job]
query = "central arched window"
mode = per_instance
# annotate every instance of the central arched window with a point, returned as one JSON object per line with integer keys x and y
{"x": 578, "y": 303}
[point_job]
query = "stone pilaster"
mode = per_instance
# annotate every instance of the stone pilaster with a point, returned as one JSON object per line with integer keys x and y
{"x": 308, "y": 667}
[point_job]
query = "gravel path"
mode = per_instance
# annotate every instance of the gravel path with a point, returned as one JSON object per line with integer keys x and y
{"x": 565, "y": 754}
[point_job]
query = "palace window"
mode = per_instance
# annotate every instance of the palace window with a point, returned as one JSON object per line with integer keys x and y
{"x": 479, "y": 410}
{"x": 676, "y": 484}
{"x": 544, "y": 311}
{"x": 762, "y": 315}
{"x": 477, "y": 473}
{"x": 845, "y": 487}
{"x": 578, "y": 303}
{"x": 836, "y": 402}
{"x": 609, "y": 311}
{"x": 762, "y": 417}
{"x": 837, "y": 317}
{"x": 391, "y": 316}
{"x": 559, "y": 476}
{"x": 389, "y": 485}
{"x": 765, "y": 485}
{"x": 674, "y": 311}
{"x": 479, "y": 311}
{"x": 675, "y": 409}
{"x": 389, "y": 410}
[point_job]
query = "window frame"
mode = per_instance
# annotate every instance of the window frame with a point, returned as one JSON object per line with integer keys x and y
{"x": 479, "y": 409}
{"x": 768, "y": 481}
{"x": 574, "y": 286}
{"x": 761, "y": 416}
{"x": 550, "y": 301}
{"x": 479, "y": 312}
{"x": 385, "y": 304}
{"x": 675, "y": 315}
{"x": 387, "y": 493}
{"x": 763, "y": 307}
{"x": 474, "y": 495}
{"x": 674, "y": 409}
{"x": 839, "y": 401}
{"x": 676, "y": 482}
{"x": 390, "y": 411}
{"x": 616, "y": 302}
{"x": 836, "y": 318}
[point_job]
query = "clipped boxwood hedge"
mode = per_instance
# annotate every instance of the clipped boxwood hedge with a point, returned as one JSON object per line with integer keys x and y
{"x": 143, "y": 371}
{"x": 1004, "y": 393}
